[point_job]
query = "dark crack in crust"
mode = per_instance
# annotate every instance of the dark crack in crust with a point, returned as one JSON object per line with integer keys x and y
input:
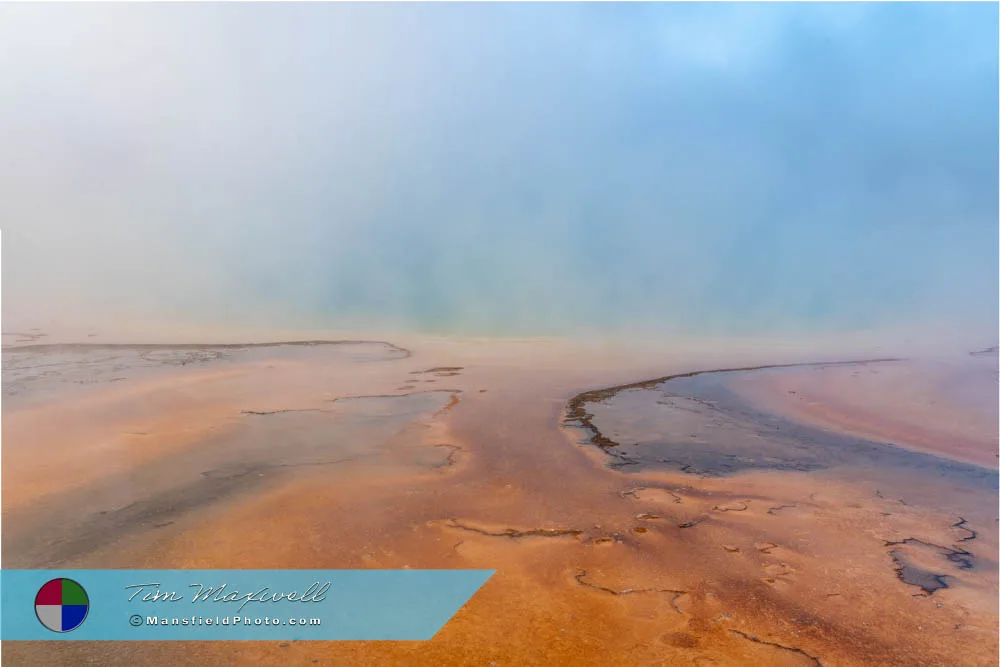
{"x": 960, "y": 524}
{"x": 579, "y": 576}
{"x": 794, "y": 649}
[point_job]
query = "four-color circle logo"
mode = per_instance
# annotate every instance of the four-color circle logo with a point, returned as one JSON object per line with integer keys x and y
{"x": 62, "y": 605}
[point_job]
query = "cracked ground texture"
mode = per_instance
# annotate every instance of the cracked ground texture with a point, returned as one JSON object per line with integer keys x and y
{"x": 754, "y": 550}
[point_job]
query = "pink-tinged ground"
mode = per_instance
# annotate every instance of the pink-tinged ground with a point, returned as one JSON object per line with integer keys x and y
{"x": 453, "y": 454}
{"x": 943, "y": 407}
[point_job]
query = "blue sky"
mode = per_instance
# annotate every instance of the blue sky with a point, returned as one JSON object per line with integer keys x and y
{"x": 528, "y": 169}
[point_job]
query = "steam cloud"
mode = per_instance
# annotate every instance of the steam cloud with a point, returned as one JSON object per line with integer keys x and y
{"x": 501, "y": 168}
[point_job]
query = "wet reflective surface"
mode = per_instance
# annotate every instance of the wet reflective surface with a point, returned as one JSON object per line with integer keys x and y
{"x": 698, "y": 425}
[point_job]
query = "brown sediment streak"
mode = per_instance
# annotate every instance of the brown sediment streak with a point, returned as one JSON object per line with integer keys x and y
{"x": 778, "y": 508}
{"x": 514, "y": 533}
{"x": 793, "y": 649}
{"x": 57, "y": 347}
{"x": 450, "y": 460}
{"x": 577, "y": 415}
{"x": 163, "y": 509}
{"x": 452, "y": 403}
{"x": 411, "y": 393}
{"x": 579, "y": 576}
{"x": 241, "y": 471}
{"x": 278, "y": 412}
